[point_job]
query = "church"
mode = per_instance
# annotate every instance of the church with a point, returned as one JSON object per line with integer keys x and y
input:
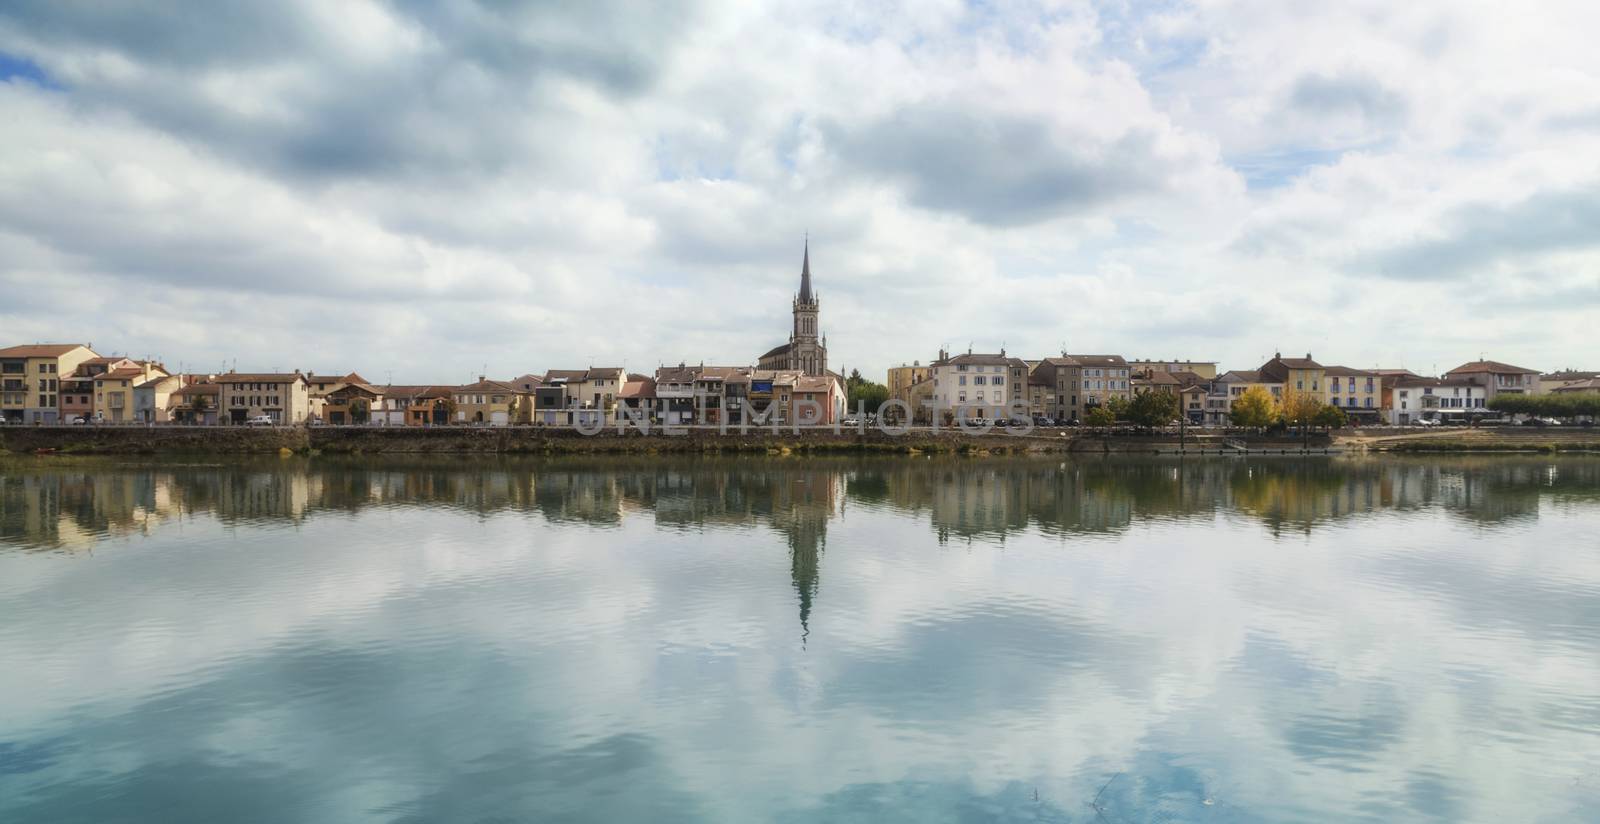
{"x": 807, "y": 349}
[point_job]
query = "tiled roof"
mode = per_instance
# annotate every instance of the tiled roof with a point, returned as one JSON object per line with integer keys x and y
{"x": 641, "y": 388}
{"x": 972, "y": 359}
{"x": 39, "y": 350}
{"x": 200, "y": 389}
{"x": 1570, "y": 375}
{"x": 1099, "y": 360}
{"x": 568, "y": 375}
{"x": 676, "y": 374}
{"x": 775, "y": 351}
{"x": 1347, "y": 372}
{"x": 488, "y": 386}
{"x": 1590, "y": 385}
{"x": 1492, "y": 367}
{"x": 260, "y": 377}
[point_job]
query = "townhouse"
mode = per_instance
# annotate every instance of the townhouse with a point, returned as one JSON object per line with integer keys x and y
{"x": 1295, "y": 376}
{"x": 1444, "y": 400}
{"x": 596, "y": 393}
{"x": 675, "y": 394}
{"x": 282, "y": 397}
{"x": 1145, "y": 368}
{"x": 76, "y": 398}
{"x": 1358, "y": 393}
{"x": 1555, "y": 380}
{"x": 1103, "y": 378}
{"x": 491, "y": 403}
{"x": 198, "y": 403}
{"x": 355, "y": 402}
{"x": 637, "y": 400}
{"x": 975, "y": 386}
{"x": 30, "y": 380}
{"x": 817, "y": 400}
{"x": 413, "y": 405}
{"x": 904, "y": 376}
{"x": 153, "y": 400}
{"x": 1058, "y": 380}
{"x": 1498, "y": 378}
{"x": 114, "y": 389}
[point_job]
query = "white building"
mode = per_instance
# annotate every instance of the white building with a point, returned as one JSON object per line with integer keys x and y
{"x": 976, "y": 386}
{"x": 1436, "y": 399}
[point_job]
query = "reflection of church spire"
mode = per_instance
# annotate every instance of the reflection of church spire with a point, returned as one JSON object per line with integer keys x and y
{"x": 802, "y": 507}
{"x": 805, "y": 553}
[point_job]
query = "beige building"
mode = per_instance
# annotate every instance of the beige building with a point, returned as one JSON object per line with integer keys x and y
{"x": 903, "y": 377}
{"x": 973, "y": 386}
{"x": 30, "y": 380}
{"x": 1555, "y": 380}
{"x": 1498, "y": 378}
{"x": 283, "y": 397}
{"x": 1144, "y": 368}
{"x": 153, "y": 398}
{"x": 1102, "y": 378}
{"x": 114, "y": 390}
{"x": 1359, "y": 393}
{"x": 492, "y": 403}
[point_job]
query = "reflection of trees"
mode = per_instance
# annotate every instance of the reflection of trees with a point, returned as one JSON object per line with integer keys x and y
{"x": 74, "y": 502}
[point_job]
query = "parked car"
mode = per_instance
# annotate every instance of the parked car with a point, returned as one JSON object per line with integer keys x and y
{"x": 850, "y": 420}
{"x": 1425, "y": 422}
{"x": 260, "y": 420}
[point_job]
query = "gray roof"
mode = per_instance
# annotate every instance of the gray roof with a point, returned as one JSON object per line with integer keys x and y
{"x": 805, "y": 274}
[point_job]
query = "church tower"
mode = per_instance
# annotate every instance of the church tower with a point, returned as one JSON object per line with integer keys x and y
{"x": 808, "y": 350}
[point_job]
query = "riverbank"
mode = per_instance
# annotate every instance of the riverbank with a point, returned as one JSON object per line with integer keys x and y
{"x": 136, "y": 440}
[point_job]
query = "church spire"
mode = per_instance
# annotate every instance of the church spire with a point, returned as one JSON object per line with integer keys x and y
{"x": 805, "y": 274}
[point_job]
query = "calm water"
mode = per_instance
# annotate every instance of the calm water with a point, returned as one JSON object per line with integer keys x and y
{"x": 800, "y": 640}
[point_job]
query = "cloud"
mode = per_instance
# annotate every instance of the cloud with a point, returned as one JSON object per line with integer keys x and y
{"x": 998, "y": 169}
{"x": 1358, "y": 94}
{"x": 492, "y": 177}
{"x": 1483, "y": 236}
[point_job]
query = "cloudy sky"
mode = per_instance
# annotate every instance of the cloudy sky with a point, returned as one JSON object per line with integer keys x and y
{"x": 425, "y": 190}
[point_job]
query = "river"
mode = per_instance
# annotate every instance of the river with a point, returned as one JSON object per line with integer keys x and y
{"x": 906, "y": 639}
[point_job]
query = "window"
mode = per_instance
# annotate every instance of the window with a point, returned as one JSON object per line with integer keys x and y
{"x": 962, "y": 397}
{"x": 962, "y": 380}
{"x": 979, "y": 380}
{"x": 1369, "y": 402}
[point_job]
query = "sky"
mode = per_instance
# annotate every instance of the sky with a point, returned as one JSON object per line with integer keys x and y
{"x": 429, "y": 191}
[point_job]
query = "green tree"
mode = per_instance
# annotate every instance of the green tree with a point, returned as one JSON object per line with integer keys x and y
{"x": 1150, "y": 408}
{"x": 1118, "y": 406}
{"x": 862, "y": 393}
{"x": 1331, "y": 417}
{"x": 359, "y": 412}
{"x": 1100, "y": 416}
{"x": 1255, "y": 409}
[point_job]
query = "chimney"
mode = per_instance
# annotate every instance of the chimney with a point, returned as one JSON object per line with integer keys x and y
{"x": 1308, "y": 356}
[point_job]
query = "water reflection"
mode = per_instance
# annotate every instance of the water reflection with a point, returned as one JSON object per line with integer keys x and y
{"x": 71, "y": 504}
{"x": 746, "y": 639}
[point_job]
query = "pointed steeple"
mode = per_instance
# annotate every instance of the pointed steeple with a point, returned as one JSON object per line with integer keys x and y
{"x": 805, "y": 274}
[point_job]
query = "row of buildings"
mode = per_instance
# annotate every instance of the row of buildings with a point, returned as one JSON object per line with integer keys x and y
{"x": 1066, "y": 388}
{"x": 65, "y": 383}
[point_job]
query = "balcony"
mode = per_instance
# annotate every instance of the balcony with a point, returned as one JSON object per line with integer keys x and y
{"x": 14, "y": 386}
